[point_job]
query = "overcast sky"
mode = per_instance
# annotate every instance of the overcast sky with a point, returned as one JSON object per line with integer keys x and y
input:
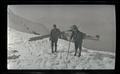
{"x": 93, "y": 15}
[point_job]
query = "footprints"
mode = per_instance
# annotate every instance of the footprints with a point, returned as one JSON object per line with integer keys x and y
{"x": 13, "y": 57}
{"x": 14, "y": 51}
{"x": 37, "y": 55}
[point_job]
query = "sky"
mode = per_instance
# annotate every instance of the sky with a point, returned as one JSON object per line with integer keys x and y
{"x": 91, "y": 19}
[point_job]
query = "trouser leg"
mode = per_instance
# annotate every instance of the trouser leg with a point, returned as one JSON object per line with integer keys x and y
{"x": 52, "y": 44}
{"x": 80, "y": 48}
{"x": 76, "y": 47}
{"x": 55, "y": 46}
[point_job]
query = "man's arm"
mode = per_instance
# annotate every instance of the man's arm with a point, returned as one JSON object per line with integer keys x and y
{"x": 59, "y": 33}
{"x": 50, "y": 35}
{"x": 84, "y": 34}
{"x": 71, "y": 36}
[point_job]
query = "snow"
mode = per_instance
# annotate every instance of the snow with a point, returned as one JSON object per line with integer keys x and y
{"x": 37, "y": 54}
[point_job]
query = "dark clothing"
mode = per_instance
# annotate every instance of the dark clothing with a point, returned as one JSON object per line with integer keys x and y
{"x": 54, "y": 43}
{"x": 78, "y": 39}
{"x": 78, "y": 45}
{"x": 77, "y": 36}
{"x": 54, "y": 35}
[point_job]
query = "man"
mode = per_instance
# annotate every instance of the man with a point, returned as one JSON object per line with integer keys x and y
{"x": 77, "y": 38}
{"x": 54, "y": 35}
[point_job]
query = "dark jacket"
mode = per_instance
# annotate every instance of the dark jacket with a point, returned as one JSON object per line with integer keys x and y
{"x": 55, "y": 34}
{"x": 77, "y": 36}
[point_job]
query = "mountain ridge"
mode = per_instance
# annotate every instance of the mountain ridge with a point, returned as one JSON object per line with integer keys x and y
{"x": 22, "y": 24}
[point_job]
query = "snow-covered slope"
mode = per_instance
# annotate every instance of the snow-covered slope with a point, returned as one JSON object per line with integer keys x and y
{"x": 17, "y": 36}
{"x": 24, "y": 54}
{"x": 24, "y": 25}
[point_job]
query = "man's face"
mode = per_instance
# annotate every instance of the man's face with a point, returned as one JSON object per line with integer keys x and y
{"x": 74, "y": 29}
{"x": 54, "y": 27}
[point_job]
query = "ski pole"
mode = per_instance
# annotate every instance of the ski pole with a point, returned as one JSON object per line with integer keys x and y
{"x": 68, "y": 50}
{"x": 67, "y": 54}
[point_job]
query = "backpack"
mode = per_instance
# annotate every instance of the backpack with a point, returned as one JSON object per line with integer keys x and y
{"x": 78, "y": 36}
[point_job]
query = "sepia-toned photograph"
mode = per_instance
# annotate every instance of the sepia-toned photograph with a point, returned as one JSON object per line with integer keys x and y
{"x": 61, "y": 37}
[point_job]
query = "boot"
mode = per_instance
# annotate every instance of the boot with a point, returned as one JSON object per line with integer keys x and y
{"x": 79, "y": 52}
{"x": 52, "y": 51}
{"x": 75, "y": 54}
{"x": 79, "y": 55}
{"x": 55, "y": 48}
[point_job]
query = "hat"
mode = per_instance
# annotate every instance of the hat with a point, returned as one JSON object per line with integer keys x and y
{"x": 74, "y": 27}
{"x": 54, "y": 25}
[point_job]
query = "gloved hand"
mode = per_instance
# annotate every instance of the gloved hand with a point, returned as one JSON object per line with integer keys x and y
{"x": 97, "y": 36}
{"x": 70, "y": 39}
{"x": 50, "y": 39}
